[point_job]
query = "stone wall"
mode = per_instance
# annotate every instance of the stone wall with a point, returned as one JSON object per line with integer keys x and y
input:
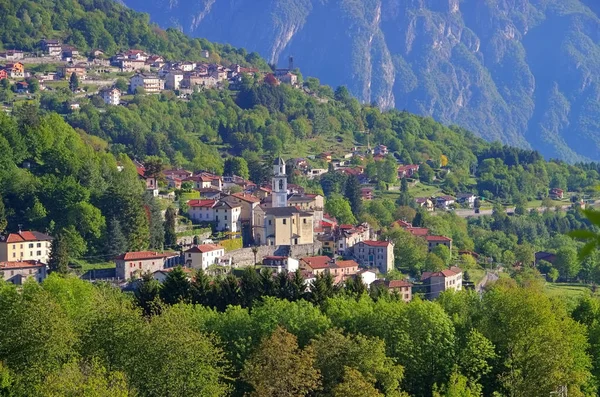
{"x": 245, "y": 256}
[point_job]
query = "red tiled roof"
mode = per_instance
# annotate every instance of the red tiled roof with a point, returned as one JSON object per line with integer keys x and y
{"x": 317, "y": 262}
{"x": 27, "y": 236}
{"x": 437, "y": 238}
{"x": 246, "y": 197}
{"x": 20, "y": 265}
{"x": 349, "y": 263}
{"x": 398, "y": 284}
{"x": 205, "y": 248}
{"x": 418, "y": 231}
{"x": 402, "y": 223}
{"x": 202, "y": 203}
{"x": 346, "y": 227}
{"x": 371, "y": 243}
{"x": 139, "y": 255}
{"x": 453, "y": 271}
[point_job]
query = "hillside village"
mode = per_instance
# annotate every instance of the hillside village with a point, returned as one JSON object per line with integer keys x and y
{"x": 147, "y": 73}
{"x": 288, "y": 227}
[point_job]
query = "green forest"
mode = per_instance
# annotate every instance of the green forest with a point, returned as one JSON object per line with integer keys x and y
{"x": 69, "y": 337}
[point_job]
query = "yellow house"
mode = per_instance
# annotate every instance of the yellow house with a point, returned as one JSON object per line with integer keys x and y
{"x": 25, "y": 246}
{"x": 282, "y": 226}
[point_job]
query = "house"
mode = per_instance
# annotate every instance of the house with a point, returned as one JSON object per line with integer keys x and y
{"x": 407, "y": 171}
{"x": 12, "y": 55}
{"x": 381, "y": 150}
{"x": 282, "y": 226}
{"x": 227, "y": 216}
{"x": 467, "y": 199}
{"x": 177, "y": 173}
{"x": 344, "y": 269}
{"x": 111, "y": 96}
{"x": 203, "y": 256}
{"x": 438, "y": 282}
{"x": 137, "y": 55}
{"x": 22, "y": 87}
{"x": 209, "y": 193}
{"x": 65, "y": 71}
{"x": 69, "y": 52}
{"x": 326, "y": 156}
{"x": 173, "y": 80}
{"x": 434, "y": 241}
{"x": 425, "y": 202}
{"x": 204, "y": 53}
{"x": 173, "y": 183}
{"x": 15, "y": 70}
{"x": 155, "y": 61}
{"x": 3, "y": 74}
{"x": 315, "y": 264}
{"x": 201, "y": 210}
{"x": 347, "y": 236}
{"x": 149, "y": 181}
{"x": 316, "y": 172}
{"x": 402, "y": 224}
{"x": 367, "y": 276}
{"x": 366, "y": 193}
{"x": 25, "y": 246}
{"x": 401, "y": 287}
{"x": 52, "y": 47}
{"x": 205, "y": 180}
{"x": 133, "y": 65}
{"x": 135, "y": 264}
{"x": 248, "y": 203}
{"x": 375, "y": 254}
{"x": 230, "y": 182}
{"x": 150, "y": 83}
{"x": 445, "y": 202}
{"x": 97, "y": 53}
{"x": 557, "y": 194}
{"x": 280, "y": 263}
{"x": 17, "y": 272}
{"x": 288, "y": 78}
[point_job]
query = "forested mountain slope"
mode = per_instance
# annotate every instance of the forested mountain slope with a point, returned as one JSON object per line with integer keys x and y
{"x": 523, "y": 71}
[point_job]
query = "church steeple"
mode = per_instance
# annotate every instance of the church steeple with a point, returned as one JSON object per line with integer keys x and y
{"x": 279, "y": 184}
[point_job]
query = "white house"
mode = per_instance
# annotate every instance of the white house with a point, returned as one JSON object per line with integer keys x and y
{"x": 280, "y": 263}
{"x": 203, "y": 256}
{"x": 438, "y": 282}
{"x": 227, "y": 216}
{"x": 111, "y": 96}
{"x": 467, "y": 198}
{"x": 150, "y": 83}
{"x": 173, "y": 80}
{"x": 201, "y": 210}
{"x": 445, "y": 201}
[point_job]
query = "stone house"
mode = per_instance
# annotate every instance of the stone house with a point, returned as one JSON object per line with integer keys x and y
{"x": 135, "y": 264}
{"x": 18, "y": 271}
{"x": 438, "y": 282}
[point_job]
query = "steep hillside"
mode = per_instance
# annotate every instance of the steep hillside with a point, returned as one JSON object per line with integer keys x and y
{"x": 524, "y": 71}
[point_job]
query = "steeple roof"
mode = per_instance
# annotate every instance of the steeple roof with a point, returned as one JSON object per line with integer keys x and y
{"x": 279, "y": 161}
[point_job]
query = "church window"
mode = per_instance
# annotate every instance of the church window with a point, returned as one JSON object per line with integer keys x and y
{"x": 281, "y": 184}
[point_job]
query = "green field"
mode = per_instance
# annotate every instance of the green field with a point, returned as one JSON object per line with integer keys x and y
{"x": 567, "y": 291}
{"x": 87, "y": 266}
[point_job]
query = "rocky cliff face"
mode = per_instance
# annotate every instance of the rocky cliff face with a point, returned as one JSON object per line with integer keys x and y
{"x": 522, "y": 71}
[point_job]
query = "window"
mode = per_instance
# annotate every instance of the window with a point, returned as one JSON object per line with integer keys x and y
{"x": 30, "y": 253}
{"x": 304, "y": 221}
{"x": 39, "y": 253}
{"x": 21, "y": 246}
{"x": 31, "y": 245}
{"x": 285, "y": 221}
{"x": 39, "y": 245}
{"x": 30, "y": 271}
{"x": 225, "y": 217}
{"x": 14, "y": 254}
{"x": 269, "y": 222}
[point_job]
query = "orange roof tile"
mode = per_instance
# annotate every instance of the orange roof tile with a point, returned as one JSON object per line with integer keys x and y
{"x": 20, "y": 265}
{"x": 205, "y": 248}
{"x": 140, "y": 255}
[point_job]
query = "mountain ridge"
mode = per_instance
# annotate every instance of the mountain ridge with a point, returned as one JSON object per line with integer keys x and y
{"x": 521, "y": 71}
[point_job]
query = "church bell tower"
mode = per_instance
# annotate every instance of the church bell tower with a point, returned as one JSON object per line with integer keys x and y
{"x": 279, "y": 184}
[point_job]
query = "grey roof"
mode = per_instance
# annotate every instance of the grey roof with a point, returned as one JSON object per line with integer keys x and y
{"x": 279, "y": 161}
{"x": 285, "y": 211}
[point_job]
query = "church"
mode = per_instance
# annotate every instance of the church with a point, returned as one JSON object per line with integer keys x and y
{"x": 279, "y": 223}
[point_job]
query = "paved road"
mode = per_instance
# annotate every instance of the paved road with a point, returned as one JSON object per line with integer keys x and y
{"x": 489, "y": 277}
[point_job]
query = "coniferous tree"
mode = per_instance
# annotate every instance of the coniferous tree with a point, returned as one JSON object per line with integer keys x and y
{"x": 116, "y": 243}
{"x": 176, "y": 287}
{"x": 59, "y": 255}
{"x": 297, "y": 286}
{"x": 157, "y": 227}
{"x": 3, "y": 220}
{"x": 170, "y": 235}
{"x": 322, "y": 288}
{"x": 250, "y": 286}
{"x": 147, "y": 294}
{"x": 405, "y": 198}
{"x": 73, "y": 82}
{"x": 200, "y": 288}
{"x": 353, "y": 194}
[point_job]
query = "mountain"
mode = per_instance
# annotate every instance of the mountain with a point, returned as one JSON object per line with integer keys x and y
{"x": 521, "y": 71}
